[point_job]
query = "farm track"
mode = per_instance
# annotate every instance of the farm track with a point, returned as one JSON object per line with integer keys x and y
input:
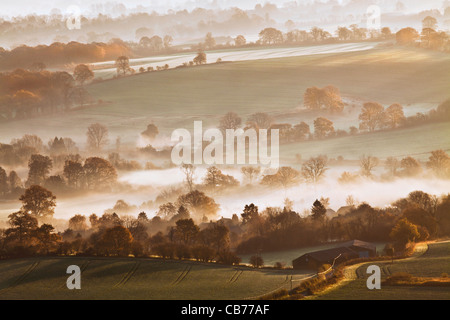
{"x": 128, "y": 276}
{"x": 235, "y": 276}
{"x": 22, "y": 278}
{"x": 182, "y": 276}
{"x": 355, "y": 272}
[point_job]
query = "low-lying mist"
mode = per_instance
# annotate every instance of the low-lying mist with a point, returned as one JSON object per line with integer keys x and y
{"x": 146, "y": 185}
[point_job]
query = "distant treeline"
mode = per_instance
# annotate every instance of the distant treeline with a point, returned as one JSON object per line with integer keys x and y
{"x": 418, "y": 217}
{"x": 60, "y": 54}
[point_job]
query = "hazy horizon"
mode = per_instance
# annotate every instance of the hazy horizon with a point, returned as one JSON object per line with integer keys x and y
{"x": 115, "y": 8}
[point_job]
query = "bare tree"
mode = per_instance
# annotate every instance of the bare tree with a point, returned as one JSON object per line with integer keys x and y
{"x": 367, "y": 164}
{"x": 230, "y": 121}
{"x": 189, "y": 171}
{"x": 392, "y": 165}
{"x": 314, "y": 169}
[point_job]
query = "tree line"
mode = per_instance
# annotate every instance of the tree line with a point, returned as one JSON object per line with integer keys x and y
{"x": 418, "y": 217}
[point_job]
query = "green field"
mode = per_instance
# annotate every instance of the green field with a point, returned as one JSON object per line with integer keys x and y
{"x": 433, "y": 263}
{"x": 172, "y": 99}
{"x": 417, "y": 142}
{"x": 136, "y": 279}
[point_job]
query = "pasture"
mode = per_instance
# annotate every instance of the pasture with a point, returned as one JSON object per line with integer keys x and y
{"x": 135, "y": 279}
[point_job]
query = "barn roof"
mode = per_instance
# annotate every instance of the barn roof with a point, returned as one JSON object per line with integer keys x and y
{"x": 329, "y": 254}
{"x": 360, "y": 244}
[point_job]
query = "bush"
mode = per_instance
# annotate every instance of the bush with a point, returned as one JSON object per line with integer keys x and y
{"x": 203, "y": 253}
{"x": 182, "y": 251}
{"x": 256, "y": 261}
{"x": 228, "y": 258}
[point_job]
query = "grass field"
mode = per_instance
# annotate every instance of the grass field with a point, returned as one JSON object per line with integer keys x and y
{"x": 417, "y": 142}
{"x": 433, "y": 263}
{"x": 136, "y": 279}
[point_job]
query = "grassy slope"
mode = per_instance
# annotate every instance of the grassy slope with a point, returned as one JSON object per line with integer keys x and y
{"x": 432, "y": 264}
{"x": 134, "y": 279}
{"x": 416, "y": 141}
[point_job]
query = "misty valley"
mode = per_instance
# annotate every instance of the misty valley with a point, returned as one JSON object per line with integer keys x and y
{"x": 271, "y": 151}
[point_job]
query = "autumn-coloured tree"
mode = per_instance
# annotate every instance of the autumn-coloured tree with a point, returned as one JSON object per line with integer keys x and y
{"x": 151, "y": 132}
{"x": 372, "y": 116}
{"x": 394, "y": 115}
{"x": 429, "y": 22}
{"x": 210, "y": 42}
{"x": 22, "y": 226}
{"x": 256, "y": 261}
{"x": 386, "y": 32}
{"x": 199, "y": 204}
{"x": 73, "y": 171}
{"x": 4, "y": 187}
{"x": 83, "y": 73}
{"x": 410, "y": 166}
{"x": 186, "y": 231}
{"x": 407, "y": 36}
{"x": 230, "y": 121}
{"x": 344, "y": 33}
{"x": 323, "y": 128}
{"x": 117, "y": 241}
{"x": 200, "y": 58}
{"x": 318, "y": 211}
{"x": 39, "y": 202}
{"x": 259, "y": 120}
{"x": 240, "y": 41}
{"x": 439, "y": 163}
{"x": 167, "y": 41}
{"x": 46, "y": 237}
{"x": 392, "y": 165}
{"x": 285, "y": 177}
{"x": 328, "y": 98}
{"x": 122, "y": 65}
{"x": 216, "y": 179}
{"x": 99, "y": 173}
{"x": 404, "y": 232}
{"x": 39, "y": 168}
{"x": 14, "y": 180}
{"x": 271, "y": 36}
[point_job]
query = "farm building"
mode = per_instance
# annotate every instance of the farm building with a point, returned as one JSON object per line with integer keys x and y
{"x": 346, "y": 251}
